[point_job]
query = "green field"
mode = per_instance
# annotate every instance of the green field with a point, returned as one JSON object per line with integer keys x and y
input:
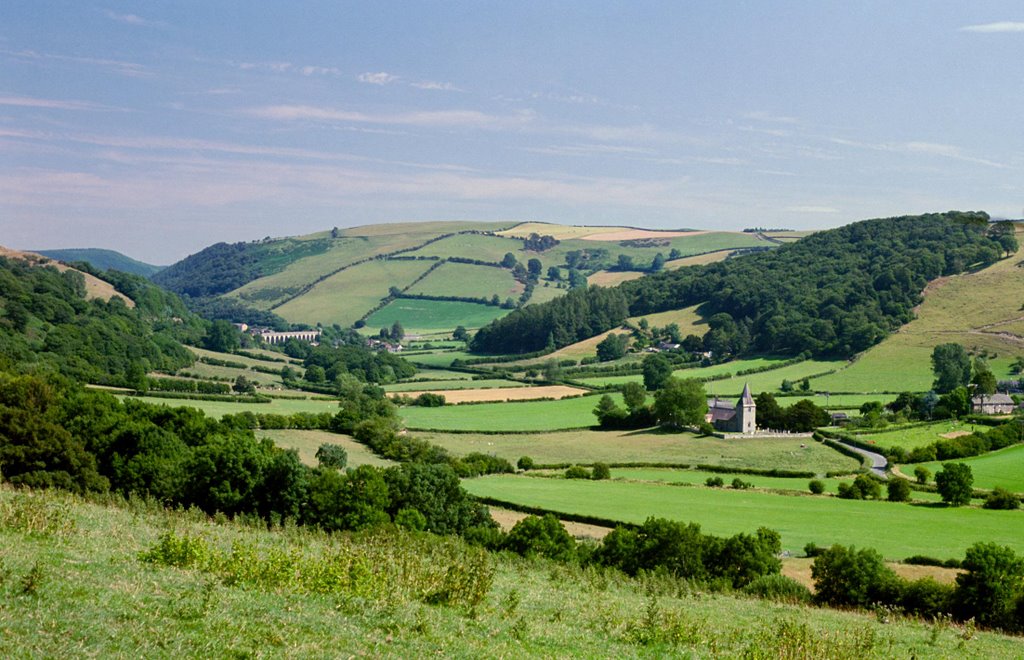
{"x": 345, "y": 297}
{"x": 473, "y": 246}
{"x": 652, "y": 446}
{"x": 439, "y": 374}
{"x": 468, "y": 281}
{"x": 512, "y": 416}
{"x": 96, "y": 599}
{"x": 895, "y": 530}
{"x": 1004, "y": 468}
{"x": 918, "y": 436}
{"x": 698, "y": 478}
{"x": 439, "y": 359}
{"x": 453, "y": 385}
{"x": 766, "y": 381}
{"x": 218, "y": 409}
{"x": 307, "y": 442}
{"x": 425, "y": 315}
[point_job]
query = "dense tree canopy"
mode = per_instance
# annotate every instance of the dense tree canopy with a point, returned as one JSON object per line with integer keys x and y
{"x": 834, "y": 293}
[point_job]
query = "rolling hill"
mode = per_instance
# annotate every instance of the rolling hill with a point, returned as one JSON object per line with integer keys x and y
{"x": 103, "y": 260}
{"x": 377, "y": 274}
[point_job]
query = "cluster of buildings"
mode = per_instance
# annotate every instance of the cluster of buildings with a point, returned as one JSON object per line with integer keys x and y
{"x": 274, "y": 337}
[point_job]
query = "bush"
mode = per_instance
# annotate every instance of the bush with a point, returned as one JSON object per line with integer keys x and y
{"x": 778, "y": 588}
{"x": 714, "y": 482}
{"x": 990, "y": 587}
{"x": 525, "y": 463}
{"x": 898, "y": 490}
{"x": 926, "y": 598}
{"x": 1000, "y": 498}
{"x": 545, "y": 537}
{"x": 847, "y": 577}
{"x": 577, "y": 472}
{"x": 922, "y": 474}
{"x": 862, "y": 488}
{"x": 816, "y": 486}
{"x": 739, "y": 484}
{"x": 813, "y": 550}
{"x": 601, "y": 471}
{"x": 332, "y": 456}
{"x": 429, "y": 400}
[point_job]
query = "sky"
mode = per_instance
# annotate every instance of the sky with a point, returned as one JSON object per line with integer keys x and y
{"x": 159, "y": 128}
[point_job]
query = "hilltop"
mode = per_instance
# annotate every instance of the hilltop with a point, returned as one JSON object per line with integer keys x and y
{"x": 375, "y": 275}
{"x": 101, "y": 259}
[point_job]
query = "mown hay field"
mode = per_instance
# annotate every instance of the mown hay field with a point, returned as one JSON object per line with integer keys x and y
{"x": 586, "y": 446}
{"x": 308, "y": 442}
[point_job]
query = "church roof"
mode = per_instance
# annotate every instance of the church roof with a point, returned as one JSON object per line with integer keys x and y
{"x": 746, "y": 399}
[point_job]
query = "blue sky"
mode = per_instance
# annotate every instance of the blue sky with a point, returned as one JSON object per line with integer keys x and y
{"x": 158, "y": 128}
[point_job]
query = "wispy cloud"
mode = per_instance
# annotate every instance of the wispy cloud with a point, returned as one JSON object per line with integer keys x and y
{"x": 440, "y": 118}
{"x": 129, "y": 69}
{"x": 288, "y": 67}
{"x": 1001, "y": 26}
{"x": 31, "y": 102}
{"x": 132, "y": 19}
{"x": 435, "y": 86}
{"x": 916, "y": 147}
{"x": 378, "y": 78}
{"x": 760, "y": 115}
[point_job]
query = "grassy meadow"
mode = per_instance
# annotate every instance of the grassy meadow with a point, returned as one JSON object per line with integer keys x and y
{"x": 418, "y": 316}
{"x": 918, "y": 436}
{"x": 1004, "y": 468}
{"x": 277, "y": 406}
{"x": 436, "y": 385}
{"x": 307, "y": 442}
{"x": 345, "y": 297}
{"x": 468, "y": 281}
{"x": 766, "y": 381}
{"x": 588, "y": 446}
{"x": 896, "y": 530}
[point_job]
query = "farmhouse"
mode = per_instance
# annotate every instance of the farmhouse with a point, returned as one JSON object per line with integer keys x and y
{"x": 739, "y": 417}
{"x": 992, "y": 404}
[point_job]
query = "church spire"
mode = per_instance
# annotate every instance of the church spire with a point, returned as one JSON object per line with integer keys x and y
{"x": 746, "y": 399}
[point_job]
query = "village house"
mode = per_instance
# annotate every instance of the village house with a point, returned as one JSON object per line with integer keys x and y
{"x": 739, "y": 417}
{"x": 992, "y": 404}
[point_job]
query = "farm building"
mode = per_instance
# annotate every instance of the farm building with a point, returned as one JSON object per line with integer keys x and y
{"x": 992, "y": 404}
{"x": 739, "y": 417}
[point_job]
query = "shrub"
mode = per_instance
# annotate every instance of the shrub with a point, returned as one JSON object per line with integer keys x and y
{"x": 1000, "y": 498}
{"x": 845, "y": 576}
{"x": 411, "y": 519}
{"x": 601, "y": 471}
{"x": 525, "y": 463}
{"x": 577, "y": 472}
{"x": 332, "y": 456}
{"x": 847, "y": 492}
{"x": 778, "y": 588}
{"x": 869, "y": 487}
{"x": 813, "y": 550}
{"x": 429, "y": 400}
{"x": 926, "y": 598}
{"x": 714, "y": 482}
{"x": 898, "y": 490}
{"x": 922, "y": 474}
{"x": 990, "y": 587}
{"x": 739, "y": 484}
{"x": 545, "y": 537}
{"x": 816, "y": 486}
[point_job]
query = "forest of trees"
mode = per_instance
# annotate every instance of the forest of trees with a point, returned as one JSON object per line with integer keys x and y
{"x": 834, "y": 293}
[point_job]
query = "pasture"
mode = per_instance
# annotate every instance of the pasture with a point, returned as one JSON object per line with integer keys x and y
{"x": 307, "y": 443}
{"x": 451, "y": 384}
{"x": 218, "y": 409}
{"x": 919, "y": 436}
{"x": 512, "y": 416}
{"x": 896, "y": 530}
{"x": 438, "y": 358}
{"x": 427, "y": 315}
{"x": 687, "y": 318}
{"x": 766, "y": 381}
{"x": 468, "y": 281}
{"x": 345, "y": 297}
{"x": 586, "y": 446}
{"x": 1004, "y": 467}
{"x": 527, "y": 393}
{"x": 610, "y": 278}
{"x": 473, "y": 246}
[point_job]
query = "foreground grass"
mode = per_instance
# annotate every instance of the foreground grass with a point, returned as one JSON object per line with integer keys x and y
{"x": 896, "y": 530}
{"x": 587, "y": 446}
{"x": 76, "y": 588}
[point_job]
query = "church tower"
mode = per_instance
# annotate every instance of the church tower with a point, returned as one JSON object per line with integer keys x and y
{"x": 746, "y": 411}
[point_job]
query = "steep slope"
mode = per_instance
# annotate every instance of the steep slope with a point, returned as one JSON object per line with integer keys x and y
{"x": 103, "y": 260}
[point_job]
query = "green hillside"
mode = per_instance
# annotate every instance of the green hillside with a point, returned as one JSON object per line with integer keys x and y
{"x": 347, "y": 275}
{"x": 103, "y": 260}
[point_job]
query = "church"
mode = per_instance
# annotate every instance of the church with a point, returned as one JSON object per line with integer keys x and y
{"x": 739, "y": 417}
